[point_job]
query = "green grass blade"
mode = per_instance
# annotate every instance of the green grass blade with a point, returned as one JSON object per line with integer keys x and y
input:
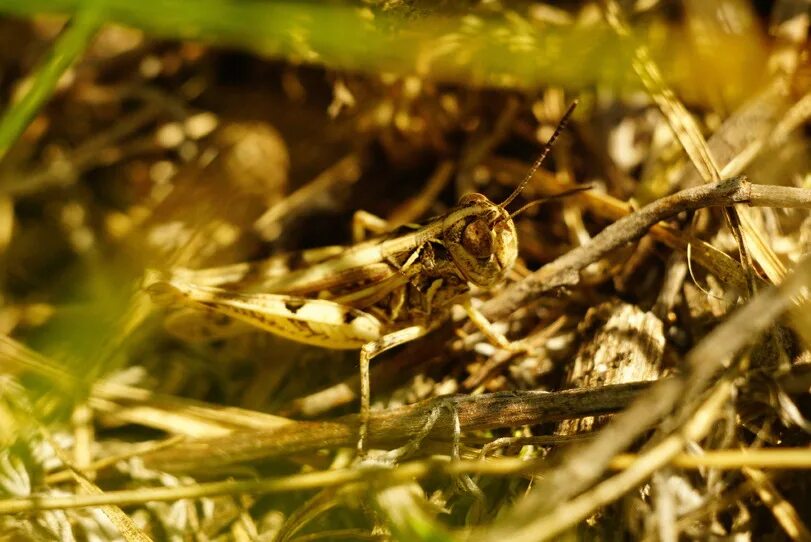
{"x": 67, "y": 48}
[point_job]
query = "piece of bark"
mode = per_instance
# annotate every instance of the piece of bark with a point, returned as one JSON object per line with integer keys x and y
{"x": 620, "y": 344}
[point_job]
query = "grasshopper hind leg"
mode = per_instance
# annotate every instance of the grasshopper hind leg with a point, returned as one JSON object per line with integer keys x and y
{"x": 368, "y": 352}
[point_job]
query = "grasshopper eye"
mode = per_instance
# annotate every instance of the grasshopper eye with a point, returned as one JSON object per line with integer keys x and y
{"x": 477, "y": 239}
{"x": 473, "y": 197}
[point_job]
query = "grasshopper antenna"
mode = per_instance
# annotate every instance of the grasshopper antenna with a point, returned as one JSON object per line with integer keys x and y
{"x": 538, "y": 161}
{"x": 548, "y": 198}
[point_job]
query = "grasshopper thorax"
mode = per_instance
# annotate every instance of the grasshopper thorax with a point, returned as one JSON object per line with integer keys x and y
{"x": 480, "y": 237}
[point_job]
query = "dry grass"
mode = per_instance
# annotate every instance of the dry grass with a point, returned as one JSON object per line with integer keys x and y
{"x": 664, "y": 389}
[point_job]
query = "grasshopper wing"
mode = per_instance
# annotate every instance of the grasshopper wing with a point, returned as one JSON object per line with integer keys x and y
{"x": 312, "y": 321}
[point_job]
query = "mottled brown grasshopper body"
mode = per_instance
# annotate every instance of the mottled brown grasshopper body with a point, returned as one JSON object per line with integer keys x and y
{"x": 372, "y": 295}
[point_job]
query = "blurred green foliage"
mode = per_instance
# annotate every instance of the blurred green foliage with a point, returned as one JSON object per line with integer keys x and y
{"x": 497, "y": 48}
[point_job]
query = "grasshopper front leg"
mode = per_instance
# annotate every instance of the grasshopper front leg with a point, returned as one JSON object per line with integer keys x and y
{"x": 491, "y": 334}
{"x": 364, "y": 222}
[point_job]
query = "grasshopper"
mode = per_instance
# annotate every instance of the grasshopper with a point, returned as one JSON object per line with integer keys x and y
{"x": 372, "y": 295}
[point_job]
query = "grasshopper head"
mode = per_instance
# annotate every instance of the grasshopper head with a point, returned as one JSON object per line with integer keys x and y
{"x": 481, "y": 239}
{"x": 480, "y": 235}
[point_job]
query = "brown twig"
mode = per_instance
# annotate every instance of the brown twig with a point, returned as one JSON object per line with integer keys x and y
{"x": 607, "y": 207}
{"x": 565, "y": 270}
{"x": 396, "y": 426}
